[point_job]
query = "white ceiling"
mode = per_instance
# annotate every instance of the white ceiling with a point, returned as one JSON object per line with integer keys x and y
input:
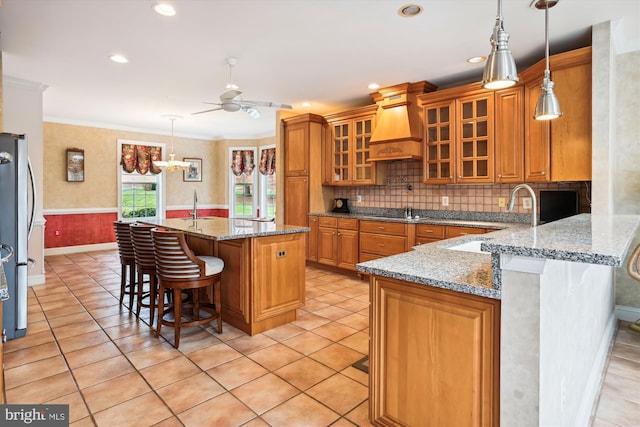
{"x": 289, "y": 51}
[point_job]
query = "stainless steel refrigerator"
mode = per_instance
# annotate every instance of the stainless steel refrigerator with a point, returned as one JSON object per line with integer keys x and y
{"x": 16, "y": 220}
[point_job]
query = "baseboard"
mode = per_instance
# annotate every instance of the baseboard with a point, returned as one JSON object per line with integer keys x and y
{"x": 81, "y": 248}
{"x": 594, "y": 382}
{"x": 628, "y": 314}
{"x": 38, "y": 279}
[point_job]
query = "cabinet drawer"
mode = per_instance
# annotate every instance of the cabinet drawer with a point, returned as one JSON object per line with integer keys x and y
{"x": 382, "y": 227}
{"x": 364, "y": 257}
{"x": 462, "y": 231}
{"x": 347, "y": 224}
{"x": 327, "y": 221}
{"x": 382, "y": 244}
{"x": 430, "y": 231}
{"x": 423, "y": 240}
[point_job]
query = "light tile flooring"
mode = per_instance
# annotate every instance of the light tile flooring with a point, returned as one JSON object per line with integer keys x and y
{"x": 84, "y": 350}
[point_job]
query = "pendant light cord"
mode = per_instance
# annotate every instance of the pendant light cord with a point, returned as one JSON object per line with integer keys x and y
{"x": 546, "y": 36}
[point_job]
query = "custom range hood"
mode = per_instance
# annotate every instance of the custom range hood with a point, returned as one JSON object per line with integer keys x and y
{"x": 398, "y": 133}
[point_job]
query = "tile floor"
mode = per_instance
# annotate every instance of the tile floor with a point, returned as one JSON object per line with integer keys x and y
{"x": 84, "y": 350}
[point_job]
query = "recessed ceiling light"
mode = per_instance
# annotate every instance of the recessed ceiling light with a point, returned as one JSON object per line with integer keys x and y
{"x": 373, "y": 86}
{"x": 476, "y": 59}
{"x": 120, "y": 59}
{"x": 306, "y": 104}
{"x": 410, "y": 10}
{"x": 164, "y": 9}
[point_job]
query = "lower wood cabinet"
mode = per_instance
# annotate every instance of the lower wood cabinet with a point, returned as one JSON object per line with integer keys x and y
{"x": 434, "y": 356}
{"x": 337, "y": 241}
{"x": 380, "y": 239}
{"x": 462, "y": 231}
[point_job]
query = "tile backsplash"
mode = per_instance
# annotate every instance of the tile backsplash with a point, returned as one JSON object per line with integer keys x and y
{"x": 470, "y": 197}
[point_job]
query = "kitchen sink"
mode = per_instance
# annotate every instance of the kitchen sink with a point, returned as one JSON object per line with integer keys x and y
{"x": 469, "y": 246}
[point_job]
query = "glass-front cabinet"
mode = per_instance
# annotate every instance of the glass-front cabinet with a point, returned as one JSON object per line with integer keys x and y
{"x": 348, "y": 143}
{"x": 439, "y": 146}
{"x": 475, "y": 142}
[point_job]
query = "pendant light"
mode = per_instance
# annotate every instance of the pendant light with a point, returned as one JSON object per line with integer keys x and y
{"x": 173, "y": 164}
{"x": 500, "y": 71}
{"x": 548, "y": 107}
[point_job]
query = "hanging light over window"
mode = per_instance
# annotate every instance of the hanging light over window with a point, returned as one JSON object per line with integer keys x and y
{"x": 500, "y": 70}
{"x": 548, "y": 107}
{"x": 173, "y": 164}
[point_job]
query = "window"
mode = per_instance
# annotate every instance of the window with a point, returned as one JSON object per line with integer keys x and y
{"x": 139, "y": 196}
{"x": 243, "y": 198}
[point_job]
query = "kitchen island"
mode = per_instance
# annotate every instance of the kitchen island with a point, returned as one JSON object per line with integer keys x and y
{"x": 263, "y": 281}
{"x": 507, "y": 328}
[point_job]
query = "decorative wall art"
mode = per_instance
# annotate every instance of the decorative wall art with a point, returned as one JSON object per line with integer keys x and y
{"x": 75, "y": 165}
{"x": 194, "y": 172}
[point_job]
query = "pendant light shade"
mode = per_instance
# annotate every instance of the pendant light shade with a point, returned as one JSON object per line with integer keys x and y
{"x": 500, "y": 70}
{"x": 173, "y": 164}
{"x": 547, "y": 107}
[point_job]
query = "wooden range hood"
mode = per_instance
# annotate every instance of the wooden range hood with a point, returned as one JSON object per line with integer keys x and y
{"x": 398, "y": 133}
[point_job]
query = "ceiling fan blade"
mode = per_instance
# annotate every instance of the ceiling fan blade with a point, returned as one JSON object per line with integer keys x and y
{"x": 267, "y": 104}
{"x": 207, "y": 111}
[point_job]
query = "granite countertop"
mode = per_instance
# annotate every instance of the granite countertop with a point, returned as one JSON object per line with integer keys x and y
{"x": 581, "y": 238}
{"x": 216, "y": 228}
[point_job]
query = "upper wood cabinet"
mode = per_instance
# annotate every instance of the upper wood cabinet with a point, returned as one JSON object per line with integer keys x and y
{"x": 348, "y": 149}
{"x": 509, "y": 132}
{"x": 459, "y": 135}
{"x": 296, "y": 148}
{"x": 560, "y": 149}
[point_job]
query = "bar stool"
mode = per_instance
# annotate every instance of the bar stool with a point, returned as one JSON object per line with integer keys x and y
{"x": 127, "y": 260}
{"x": 179, "y": 269}
{"x": 145, "y": 264}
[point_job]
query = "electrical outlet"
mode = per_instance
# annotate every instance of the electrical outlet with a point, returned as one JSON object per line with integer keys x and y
{"x": 57, "y": 233}
{"x": 445, "y": 200}
{"x": 359, "y": 198}
{"x": 526, "y": 203}
{"x": 502, "y": 202}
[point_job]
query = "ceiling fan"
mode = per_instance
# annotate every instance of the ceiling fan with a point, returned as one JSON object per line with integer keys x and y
{"x": 231, "y": 101}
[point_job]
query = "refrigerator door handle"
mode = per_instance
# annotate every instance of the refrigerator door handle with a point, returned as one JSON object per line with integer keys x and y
{"x": 34, "y": 201}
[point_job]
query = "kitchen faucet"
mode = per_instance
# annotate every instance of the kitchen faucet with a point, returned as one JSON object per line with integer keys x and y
{"x": 194, "y": 213}
{"x": 534, "y": 205}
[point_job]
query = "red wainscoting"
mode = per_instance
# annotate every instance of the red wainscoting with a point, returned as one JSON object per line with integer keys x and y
{"x": 63, "y": 230}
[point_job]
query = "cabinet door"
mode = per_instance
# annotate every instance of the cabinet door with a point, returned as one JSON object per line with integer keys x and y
{"x": 571, "y": 132}
{"x": 474, "y": 117}
{"x": 312, "y": 248}
{"x": 347, "y": 249}
{"x": 439, "y": 345}
{"x": 327, "y": 245}
{"x": 509, "y": 135}
{"x": 340, "y": 132}
{"x": 296, "y": 207}
{"x": 363, "y": 169}
{"x": 439, "y": 143}
{"x": 296, "y": 149}
{"x": 537, "y": 142}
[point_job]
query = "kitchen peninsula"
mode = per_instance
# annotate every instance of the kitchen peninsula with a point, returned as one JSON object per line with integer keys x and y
{"x": 263, "y": 281}
{"x": 507, "y": 328}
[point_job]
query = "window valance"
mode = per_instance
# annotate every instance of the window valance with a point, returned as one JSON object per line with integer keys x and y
{"x": 140, "y": 158}
{"x": 242, "y": 162}
{"x": 267, "y": 161}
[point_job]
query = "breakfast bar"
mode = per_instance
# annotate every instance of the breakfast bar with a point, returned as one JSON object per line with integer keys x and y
{"x": 263, "y": 281}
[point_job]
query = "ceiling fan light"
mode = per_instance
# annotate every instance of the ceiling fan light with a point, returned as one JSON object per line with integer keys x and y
{"x": 500, "y": 70}
{"x": 252, "y": 112}
{"x": 547, "y": 107}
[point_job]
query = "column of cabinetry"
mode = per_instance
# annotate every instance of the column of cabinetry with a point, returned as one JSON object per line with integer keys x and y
{"x": 560, "y": 149}
{"x": 348, "y": 149}
{"x": 439, "y": 345}
{"x": 464, "y": 128}
{"x": 303, "y": 138}
{"x": 337, "y": 242}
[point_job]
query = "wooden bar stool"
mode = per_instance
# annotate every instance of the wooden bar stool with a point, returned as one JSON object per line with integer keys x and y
{"x": 179, "y": 269}
{"x": 127, "y": 261}
{"x": 145, "y": 264}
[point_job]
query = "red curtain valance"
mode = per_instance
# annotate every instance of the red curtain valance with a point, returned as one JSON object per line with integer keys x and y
{"x": 242, "y": 162}
{"x": 140, "y": 158}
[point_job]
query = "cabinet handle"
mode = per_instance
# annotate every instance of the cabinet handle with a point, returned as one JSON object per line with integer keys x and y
{"x": 499, "y": 175}
{"x": 459, "y": 176}
{"x": 428, "y": 231}
{"x": 380, "y": 228}
{"x": 339, "y": 234}
{"x": 542, "y": 173}
{"x": 450, "y": 176}
{"x": 381, "y": 245}
{"x": 313, "y": 220}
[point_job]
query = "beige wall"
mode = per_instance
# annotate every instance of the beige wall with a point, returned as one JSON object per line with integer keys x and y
{"x": 99, "y": 190}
